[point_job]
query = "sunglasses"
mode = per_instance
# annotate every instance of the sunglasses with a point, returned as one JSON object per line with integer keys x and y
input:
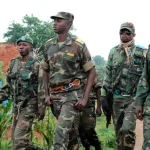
{"x": 125, "y": 32}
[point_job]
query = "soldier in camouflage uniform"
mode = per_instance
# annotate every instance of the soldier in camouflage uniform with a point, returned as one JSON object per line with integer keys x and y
{"x": 143, "y": 102}
{"x": 87, "y": 125}
{"x": 22, "y": 86}
{"x": 123, "y": 71}
{"x": 66, "y": 64}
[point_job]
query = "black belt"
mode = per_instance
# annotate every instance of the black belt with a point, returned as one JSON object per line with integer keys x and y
{"x": 119, "y": 92}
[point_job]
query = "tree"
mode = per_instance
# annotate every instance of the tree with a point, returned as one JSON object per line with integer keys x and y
{"x": 100, "y": 64}
{"x": 39, "y": 31}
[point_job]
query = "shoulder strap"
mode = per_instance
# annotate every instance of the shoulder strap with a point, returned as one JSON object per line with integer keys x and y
{"x": 15, "y": 64}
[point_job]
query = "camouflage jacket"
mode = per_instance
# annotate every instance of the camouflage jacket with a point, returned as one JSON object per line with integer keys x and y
{"x": 143, "y": 90}
{"x": 120, "y": 76}
{"x": 23, "y": 78}
{"x": 66, "y": 62}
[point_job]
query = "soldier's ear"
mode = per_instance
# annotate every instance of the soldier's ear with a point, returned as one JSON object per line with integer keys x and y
{"x": 134, "y": 35}
{"x": 69, "y": 24}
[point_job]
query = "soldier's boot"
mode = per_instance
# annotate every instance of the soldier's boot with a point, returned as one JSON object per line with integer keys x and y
{"x": 37, "y": 148}
{"x": 87, "y": 148}
{"x": 99, "y": 147}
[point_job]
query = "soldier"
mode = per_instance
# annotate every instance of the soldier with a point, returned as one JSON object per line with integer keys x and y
{"x": 88, "y": 119}
{"x": 66, "y": 62}
{"x": 143, "y": 103}
{"x": 22, "y": 86}
{"x": 123, "y": 71}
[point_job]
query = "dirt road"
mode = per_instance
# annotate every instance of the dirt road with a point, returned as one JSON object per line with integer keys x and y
{"x": 139, "y": 135}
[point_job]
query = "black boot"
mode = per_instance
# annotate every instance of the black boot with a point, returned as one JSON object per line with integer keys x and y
{"x": 36, "y": 148}
{"x": 87, "y": 148}
{"x": 99, "y": 147}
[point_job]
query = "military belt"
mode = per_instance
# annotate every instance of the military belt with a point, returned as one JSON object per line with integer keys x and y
{"x": 125, "y": 94}
{"x": 74, "y": 83}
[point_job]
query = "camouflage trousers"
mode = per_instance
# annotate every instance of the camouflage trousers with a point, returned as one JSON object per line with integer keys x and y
{"x": 87, "y": 126}
{"x": 146, "y": 128}
{"x": 22, "y": 124}
{"x": 68, "y": 121}
{"x": 124, "y": 118}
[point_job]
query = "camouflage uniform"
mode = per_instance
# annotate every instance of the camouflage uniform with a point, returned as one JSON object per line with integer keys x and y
{"x": 22, "y": 86}
{"x": 88, "y": 121}
{"x": 123, "y": 71}
{"x": 66, "y": 63}
{"x": 143, "y": 99}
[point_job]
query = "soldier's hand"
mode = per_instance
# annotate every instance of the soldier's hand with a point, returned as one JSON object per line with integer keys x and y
{"x": 81, "y": 103}
{"x": 47, "y": 101}
{"x": 105, "y": 106}
{"x": 98, "y": 111}
{"x": 50, "y": 99}
{"x": 41, "y": 113}
{"x": 139, "y": 112}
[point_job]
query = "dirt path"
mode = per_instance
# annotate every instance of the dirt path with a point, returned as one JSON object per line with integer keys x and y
{"x": 139, "y": 135}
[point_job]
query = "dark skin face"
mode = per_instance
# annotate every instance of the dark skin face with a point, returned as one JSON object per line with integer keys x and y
{"x": 126, "y": 35}
{"x": 61, "y": 26}
{"x": 24, "y": 48}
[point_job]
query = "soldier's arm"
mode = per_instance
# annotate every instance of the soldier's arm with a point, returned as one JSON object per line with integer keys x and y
{"x": 45, "y": 66}
{"x": 88, "y": 67}
{"x": 97, "y": 88}
{"x": 143, "y": 85}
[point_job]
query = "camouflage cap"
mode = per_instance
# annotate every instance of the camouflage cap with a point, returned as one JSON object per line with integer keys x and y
{"x": 64, "y": 15}
{"x": 25, "y": 39}
{"x": 129, "y": 26}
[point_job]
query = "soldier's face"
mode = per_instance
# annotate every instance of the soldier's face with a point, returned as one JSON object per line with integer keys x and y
{"x": 24, "y": 48}
{"x": 60, "y": 25}
{"x": 126, "y": 36}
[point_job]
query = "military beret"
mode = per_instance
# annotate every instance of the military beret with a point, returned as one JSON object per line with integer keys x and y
{"x": 129, "y": 26}
{"x": 25, "y": 39}
{"x": 64, "y": 15}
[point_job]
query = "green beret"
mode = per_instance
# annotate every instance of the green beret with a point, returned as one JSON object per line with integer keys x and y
{"x": 25, "y": 39}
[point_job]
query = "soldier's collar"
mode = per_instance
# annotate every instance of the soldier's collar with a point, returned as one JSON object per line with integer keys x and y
{"x": 67, "y": 42}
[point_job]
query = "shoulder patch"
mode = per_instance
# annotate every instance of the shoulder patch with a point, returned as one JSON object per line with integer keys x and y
{"x": 140, "y": 46}
{"x": 79, "y": 41}
{"x": 141, "y": 51}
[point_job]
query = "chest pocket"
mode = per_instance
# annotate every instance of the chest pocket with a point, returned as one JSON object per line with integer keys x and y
{"x": 138, "y": 61}
{"x": 70, "y": 57}
{"x": 70, "y": 61}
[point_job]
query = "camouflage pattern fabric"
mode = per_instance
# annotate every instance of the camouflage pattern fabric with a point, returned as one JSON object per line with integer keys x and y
{"x": 124, "y": 118}
{"x": 66, "y": 62}
{"x": 88, "y": 121}
{"x": 126, "y": 77}
{"x": 68, "y": 118}
{"x": 23, "y": 80}
{"x": 146, "y": 128}
{"x": 22, "y": 125}
{"x": 129, "y": 26}
{"x": 64, "y": 15}
{"x": 123, "y": 76}
{"x": 143, "y": 99}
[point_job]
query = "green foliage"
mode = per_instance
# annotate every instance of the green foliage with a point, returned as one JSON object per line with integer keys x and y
{"x": 5, "y": 122}
{"x": 107, "y": 136}
{"x": 46, "y": 129}
{"x": 39, "y": 31}
{"x": 100, "y": 64}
